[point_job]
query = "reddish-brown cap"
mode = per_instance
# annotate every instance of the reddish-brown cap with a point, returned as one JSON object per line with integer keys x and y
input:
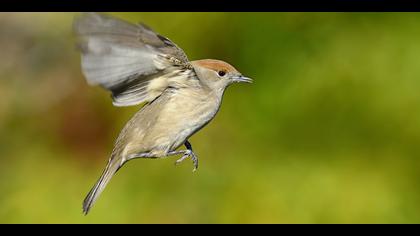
{"x": 216, "y": 65}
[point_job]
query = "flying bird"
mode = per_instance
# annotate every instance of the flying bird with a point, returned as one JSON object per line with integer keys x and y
{"x": 139, "y": 66}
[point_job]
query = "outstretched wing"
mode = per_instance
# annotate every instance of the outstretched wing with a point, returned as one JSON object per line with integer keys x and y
{"x": 132, "y": 61}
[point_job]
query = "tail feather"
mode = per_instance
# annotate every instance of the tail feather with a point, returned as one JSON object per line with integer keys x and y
{"x": 100, "y": 185}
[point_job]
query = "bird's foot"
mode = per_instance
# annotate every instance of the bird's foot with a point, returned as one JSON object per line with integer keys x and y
{"x": 194, "y": 158}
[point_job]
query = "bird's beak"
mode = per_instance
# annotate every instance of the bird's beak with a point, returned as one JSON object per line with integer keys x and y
{"x": 241, "y": 79}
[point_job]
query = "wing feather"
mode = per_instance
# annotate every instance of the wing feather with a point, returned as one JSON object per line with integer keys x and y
{"x": 127, "y": 59}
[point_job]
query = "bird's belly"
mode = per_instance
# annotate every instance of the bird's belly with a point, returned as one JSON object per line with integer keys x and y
{"x": 187, "y": 130}
{"x": 181, "y": 120}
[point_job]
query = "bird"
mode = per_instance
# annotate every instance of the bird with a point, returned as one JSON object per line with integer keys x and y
{"x": 139, "y": 66}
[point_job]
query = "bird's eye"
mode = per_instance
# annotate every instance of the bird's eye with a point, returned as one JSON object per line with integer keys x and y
{"x": 221, "y": 73}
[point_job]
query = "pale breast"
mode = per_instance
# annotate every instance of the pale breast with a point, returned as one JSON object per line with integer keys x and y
{"x": 187, "y": 112}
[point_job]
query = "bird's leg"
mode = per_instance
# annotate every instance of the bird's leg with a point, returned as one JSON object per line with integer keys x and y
{"x": 194, "y": 158}
{"x": 188, "y": 153}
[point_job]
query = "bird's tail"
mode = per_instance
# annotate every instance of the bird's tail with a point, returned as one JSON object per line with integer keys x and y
{"x": 112, "y": 167}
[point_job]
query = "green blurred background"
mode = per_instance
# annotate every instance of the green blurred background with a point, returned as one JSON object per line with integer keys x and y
{"x": 328, "y": 133}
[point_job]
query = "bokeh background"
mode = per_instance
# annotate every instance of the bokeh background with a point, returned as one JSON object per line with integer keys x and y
{"x": 328, "y": 133}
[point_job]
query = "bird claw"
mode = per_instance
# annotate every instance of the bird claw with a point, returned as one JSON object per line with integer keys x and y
{"x": 189, "y": 153}
{"x": 185, "y": 156}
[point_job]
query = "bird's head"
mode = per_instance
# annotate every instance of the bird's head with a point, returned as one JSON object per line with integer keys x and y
{"x": 218, "y": 74}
